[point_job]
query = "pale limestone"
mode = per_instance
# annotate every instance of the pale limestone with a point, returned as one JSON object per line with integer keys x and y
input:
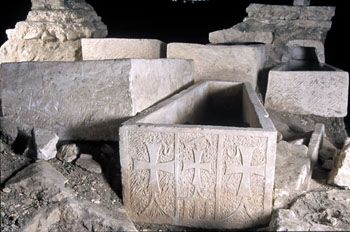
{"x": 215, "y": 62}
{"x": 46, "y": 142}
{"x": 293, "y": 173}
{"x": 113, "y": 48}
{"x": 184, "y": 166}
{"x": 52, "y": 31}
{"x": 321, "y": 91}
{"x": 88, "y": 99}
{"x": 340, "y": 175}
{"x": 87, "y": 162}
{"x": 315, "y": 143}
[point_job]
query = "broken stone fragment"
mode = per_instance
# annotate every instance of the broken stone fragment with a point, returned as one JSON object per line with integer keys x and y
{"x": 301, "y": 2}
{"x": 340, "y": 175}
{"x": 315, "y": 211}
{"x": 52, "y": 31}
{"x": 316, "y": 143}
{"x": 68, "y": 152}
{"x": 46, "y": 142}
{"x": 87, "y": 162}
{"x": 293, "y": 173}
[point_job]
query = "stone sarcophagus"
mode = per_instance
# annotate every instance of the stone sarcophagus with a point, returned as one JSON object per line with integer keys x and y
{"x": 202, "y": 158}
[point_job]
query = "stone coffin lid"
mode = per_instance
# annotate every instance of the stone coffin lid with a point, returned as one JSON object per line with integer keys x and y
{"x": 185, "y": 162}
{"x": 88, "y": 99}
{"x": 118, "y": 48}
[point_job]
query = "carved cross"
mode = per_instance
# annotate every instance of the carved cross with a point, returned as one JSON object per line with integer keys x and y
{"x": 197, "y": 166}
{"x": 154, "y": 166}
{"x": 246, "y": 169}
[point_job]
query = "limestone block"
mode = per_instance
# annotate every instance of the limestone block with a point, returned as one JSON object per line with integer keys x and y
{"x": 281, "y": 12}
{"x": 87, "y": 99}
{"x": 293, "y": 173}
{"x": 321, "y": 91}
{"x": 202, "y": 158}
{"x": 340, "y": 175}
{"x": 233, "y": 35}
{"x": 103, "y": 49}
{"x": 215, "y": 62}
{"x": 52, "y": 31}
{"x": 315, "y": 143}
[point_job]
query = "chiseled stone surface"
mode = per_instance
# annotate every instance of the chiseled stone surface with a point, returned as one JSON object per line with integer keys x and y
{"x": 113, "y": 48}
{"x": 315, "y": 211}
{"x": 195, "y": 175}
{"x": 88, "y": 99}
{"x": 222, "y": 62}
{"x": 340, "y": 174}
{"x": 293, "y": 173}
{"x": 52, "y": 31}
{"x": 315, "y": 143}
{"x": 276, "y": 26}
{"x": 319, "y": 92}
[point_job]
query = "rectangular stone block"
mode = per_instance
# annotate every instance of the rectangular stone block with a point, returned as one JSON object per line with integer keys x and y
{"x": 104, "y": 49}
{"x": 202, "y": 158}
{"x": 239, "y": 63}
{"x": 88, "y": 99}
{"x": 315, "y": 143}
{"x": 299, "y": 89}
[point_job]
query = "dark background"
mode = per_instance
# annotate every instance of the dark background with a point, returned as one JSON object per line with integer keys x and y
{"x": 179, "y": 21}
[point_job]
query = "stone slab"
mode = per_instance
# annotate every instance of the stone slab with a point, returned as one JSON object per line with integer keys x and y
{"x": 293, "y": 173}
{"x": 340, "y": 174}
{"x": 233, "y": 35}
{"x": 315, "y": 143}
{"x": 283, "y": 12}
{"x": 221, "y": 62}
{"x": 113, "y": 48}
{"x": 179, "y": 168}
{"x": 88, "y": 99}
{"x": 322, "y": 91}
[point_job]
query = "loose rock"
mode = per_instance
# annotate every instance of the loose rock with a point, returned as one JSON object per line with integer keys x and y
{"x": 340, "y": 175}
{"x": 87, "y": 162}
{"x": 68, "y": 152}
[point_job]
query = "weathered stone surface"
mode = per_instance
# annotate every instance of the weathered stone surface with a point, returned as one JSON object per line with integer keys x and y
{"x": 322, "y": 91}
{"x": 315, "y": 143}
{"x": 87, "y": 162}
{"x": 301, "y": 2}
{"x": 68, "y": 152}
{"x": 340, "y": 175}
{"x": 47, "y": 205}
{"x": 52, "y": 31}
{"x": 234, "y": 35}
{"x": 214, "y": 62}
{"x": 103, "y": 49}
{"x": 276, "y": 26}
{"x": 316, "y": 211}
{"x": 184, "y": 166}
{"x": 46, "y": 142}
{"x": 88, "y": 99}
{"x": 41, "y": 176}
{"x": 293, "y": 173}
